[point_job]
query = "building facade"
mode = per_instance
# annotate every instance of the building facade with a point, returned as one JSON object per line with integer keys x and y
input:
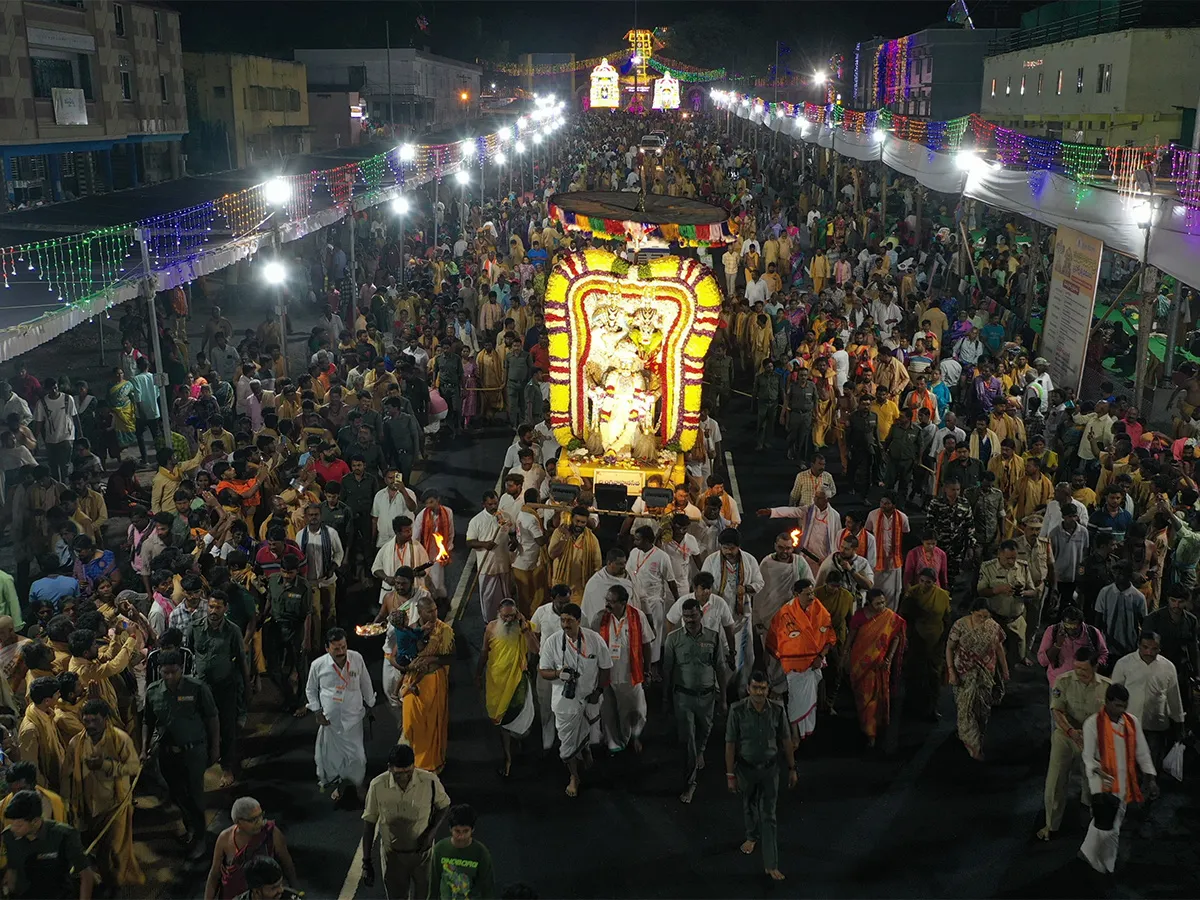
{"x": 91, "y": 97}
{"x": 246, "y": 109}
{"x": 1135, "y": 86}
{"x": 927, "y": 74}
{"x": 337, "y": 118}
{"x": 416, "y": 91}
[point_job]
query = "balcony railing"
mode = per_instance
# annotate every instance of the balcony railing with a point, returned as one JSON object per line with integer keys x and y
{"x": 1117, "y": 17}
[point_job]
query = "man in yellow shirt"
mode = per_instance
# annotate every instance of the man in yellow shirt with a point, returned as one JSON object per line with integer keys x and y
{"x": 887, "y": 411}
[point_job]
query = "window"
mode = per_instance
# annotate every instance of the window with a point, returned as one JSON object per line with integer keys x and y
{"x": 119, "y": 19}
{"x": 56, "y": 69}
{"x": 1008, "y": 86}
{"x": 1107, "y": 78}
{"x": 162, "y": 87}
{"x": 219, "y": 90}
{"x": 278, "y": 100}
{"x": 1059, "y": 89}
{"x": 158, "y": 26}
{"x": 126, "y": 85}
{"x": 1100, "y": 78}
{"x": 1090, "y": 125}
{"x": 1133, "y": 126}
{"x": 993, "y": 87}
{"x": 1041, "y": 78}
{"x": 1022, "y": 85}
{"x": 293, "y": 100}
{"x": 1079, "y": 81}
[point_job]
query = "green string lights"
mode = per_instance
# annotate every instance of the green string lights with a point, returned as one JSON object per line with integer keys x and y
{"x": 1080, "y": 161}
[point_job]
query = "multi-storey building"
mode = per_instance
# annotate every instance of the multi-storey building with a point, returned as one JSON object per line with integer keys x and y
{"x": 91, "y": 97}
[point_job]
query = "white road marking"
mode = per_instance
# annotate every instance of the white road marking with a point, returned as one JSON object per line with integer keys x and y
{"x": 733, "y": 485}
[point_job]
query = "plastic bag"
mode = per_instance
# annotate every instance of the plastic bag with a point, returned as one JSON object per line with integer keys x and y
{"x": 1173, "y": 761}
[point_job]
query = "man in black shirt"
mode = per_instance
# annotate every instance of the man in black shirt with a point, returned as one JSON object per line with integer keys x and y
{"x": 43, "y": 859}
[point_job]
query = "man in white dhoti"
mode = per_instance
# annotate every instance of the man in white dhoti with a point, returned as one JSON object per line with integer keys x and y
{"x": 577, "y": 663}
{"x": 488, "y": 535}
{"x": 736, "y": 577}
{"x": 613, "y": 572}
{"x": 654, "y": 584}
{"x": 683, "y": 550}
{"x": 800, "y": 636}
{"x": 819, "y": 525}
{"x": 546, "y": 622}
{"x": 1114, "y": 749}
{"x": 340, "y": 692}
{"x": 629, "y": 635}
{"x": 504, "y": 678}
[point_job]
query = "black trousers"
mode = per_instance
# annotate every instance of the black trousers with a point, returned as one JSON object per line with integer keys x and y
{"x": 183, "y": 771}
{"x": 226, "y": 696}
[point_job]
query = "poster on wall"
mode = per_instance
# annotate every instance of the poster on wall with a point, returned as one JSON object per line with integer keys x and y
{"x": 1072, "y": 296}
{"x": 70, "y": 107}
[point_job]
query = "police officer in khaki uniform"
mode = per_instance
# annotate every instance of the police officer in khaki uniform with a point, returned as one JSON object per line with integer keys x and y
{"x": 1076, "y": 695}
{"x": 766, "y": 396}
{"x": 1007, "y": 585}
{"x": 181, "y": 713}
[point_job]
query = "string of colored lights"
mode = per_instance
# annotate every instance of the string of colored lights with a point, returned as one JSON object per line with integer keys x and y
{"x": 84, "y": 266}
{"x": 685, "y": 73}
{"x": 1082, "y": 162}
{"x": 618, "y": 56}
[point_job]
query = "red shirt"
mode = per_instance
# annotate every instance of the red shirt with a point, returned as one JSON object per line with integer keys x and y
{"x": 541, "y": 357}
{"x": 331, "y": 471}
{"x": 269, "y": 564}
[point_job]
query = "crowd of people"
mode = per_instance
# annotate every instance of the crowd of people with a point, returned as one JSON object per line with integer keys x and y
{"x": 1056, "y": 533}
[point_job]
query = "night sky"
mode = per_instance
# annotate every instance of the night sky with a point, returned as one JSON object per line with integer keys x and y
{"x": 591, "y": 28}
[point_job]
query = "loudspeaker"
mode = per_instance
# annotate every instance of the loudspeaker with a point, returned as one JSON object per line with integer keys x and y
{"x": 564, "y": 493}
{"x": 657, "y": 498}
{"x": 612, "y": 496}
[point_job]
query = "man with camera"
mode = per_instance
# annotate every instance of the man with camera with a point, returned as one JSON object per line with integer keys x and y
{"x": 577, "y": 662}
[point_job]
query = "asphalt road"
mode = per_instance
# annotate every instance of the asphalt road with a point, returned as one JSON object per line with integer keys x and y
{"x": 924, "y": 822}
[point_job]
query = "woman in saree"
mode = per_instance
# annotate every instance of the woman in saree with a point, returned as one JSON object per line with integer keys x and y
{"x": 425, "y": 690}
{"x": 877, "y": 643}
{"x": 974, "y": 650}
{"x": 124, "y": 414}
{"x": 799, "y": 269}
{"x": 925, "y": 606}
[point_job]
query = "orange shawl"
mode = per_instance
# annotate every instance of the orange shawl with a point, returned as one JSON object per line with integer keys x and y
{"x": 634, "y": 644}
{"x": 1108, "y": 754}
{"x": 897, "y": 541}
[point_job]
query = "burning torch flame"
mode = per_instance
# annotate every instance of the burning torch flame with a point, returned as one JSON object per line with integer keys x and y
{"x": 442, "y": 555}
{"x": 795, "y": 535}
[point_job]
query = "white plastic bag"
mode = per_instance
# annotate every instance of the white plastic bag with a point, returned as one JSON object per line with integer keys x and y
{"x": 1173, "y": 762}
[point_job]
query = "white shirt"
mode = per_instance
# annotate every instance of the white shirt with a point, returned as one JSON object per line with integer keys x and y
{"x": 58, "y": 415}
{"x": 1053, "y": 516}
{"x": 618, "y": 643}
{"x": 16, "y": 404}
{"x": 757, "y": 291}
{"x": 889, "y": 539}
{"x": 596, "y": 589}
{"x": 511, "y": 458}
{"x": 651, "y": 571}
{"x": 529, "y": 532}
{"x": 1153, "y": 690}
{"x": 712, "y": 435}
{"x": 341, "y": 694}
{"x": 841, "y": 368}
{"x": 418, "y": 353}
{"x": 1100, "y": 427}
{"x": 547, "y": 442}
{"x": 937, "y": 446}
{"x": 545, "y": 621}
{"x": 685, "y": 559}
{"x": 752, "y": 579}
{"x": 714, "y": 613}
{"x": 485, "y": 527}
{"x": 390, "y": 557}
{"x": 1091, "y": 752}
{"x": 587, "y": 656}
{"x": 951, "y": 371}
{"x": 385, "y": 508}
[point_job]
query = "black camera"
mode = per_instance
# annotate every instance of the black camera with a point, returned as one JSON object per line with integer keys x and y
{"x": 570, "y": 677}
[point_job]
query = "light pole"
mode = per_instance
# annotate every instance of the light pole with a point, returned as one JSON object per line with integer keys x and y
{"x": 537, "y": 140}
{"x": 277, "y": 192}
{"x": 400, "y": 208}
{"x": 463, "y": 178}
{"x": 520, "y": 148}
{"x": 275, "y": 274}
{"x": 499, "y": 160}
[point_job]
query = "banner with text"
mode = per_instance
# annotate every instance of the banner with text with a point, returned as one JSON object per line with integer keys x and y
{"x": 1069, "y": 306}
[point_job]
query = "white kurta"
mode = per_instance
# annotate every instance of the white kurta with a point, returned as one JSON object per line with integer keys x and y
{"x": 343, "y": 696}
{"x": 389, "y": 558}
{"x": 778, "y": 580}
{"x": 597, "y": 587}
{"x": 726, "y": 583}
{"x": 574, "y": 717}
{"x": 652, "y": 574}
{"x": 1100, "y": 847}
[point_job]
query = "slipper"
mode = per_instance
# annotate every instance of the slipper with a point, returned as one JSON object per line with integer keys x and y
{"x": 227, "y": 780}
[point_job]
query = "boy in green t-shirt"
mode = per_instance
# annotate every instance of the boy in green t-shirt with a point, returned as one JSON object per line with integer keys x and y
{"x": 460, "y": 868}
